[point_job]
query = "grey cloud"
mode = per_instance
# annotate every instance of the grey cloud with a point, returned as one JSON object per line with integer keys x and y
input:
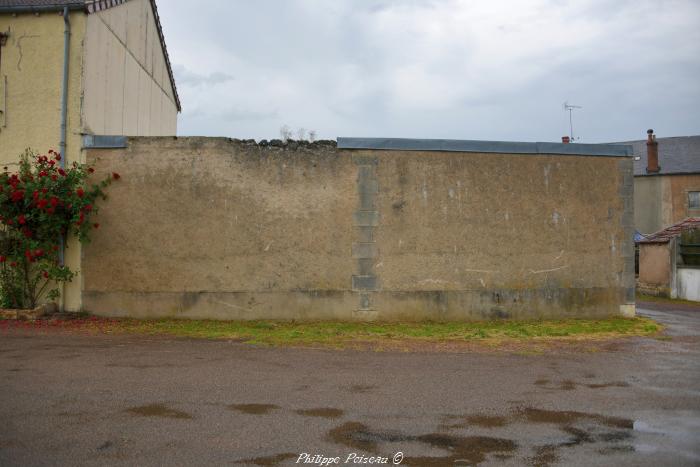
{"x": 186, "y": 77}
{"x": 437, "y": 68}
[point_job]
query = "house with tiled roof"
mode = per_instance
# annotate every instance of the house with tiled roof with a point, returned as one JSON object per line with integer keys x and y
{"x": 666, "y": 181}
{"x": 669, "y": 261}
{"x": 70, "y": 68}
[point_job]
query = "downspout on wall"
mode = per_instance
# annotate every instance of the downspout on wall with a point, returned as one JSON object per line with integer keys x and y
{"x": 64, "y": 128}
{"x": 64, "y": 91}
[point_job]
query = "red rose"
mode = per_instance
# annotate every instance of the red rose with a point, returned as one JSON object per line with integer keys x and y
{"x": 52, "y": 163}
{"x": 17, "y": 196}
{"x": 44, "y": 190}
{"x": 58, "y": 157}
{"x": 54, "y": 201}
{"x": 91, "y": 170}
{"x": 54, "y": 177}
{"x": 41, "y": 204}
{"x": 39, "y": 253}
{"x": 43, "y": 173}
{"x": 116, "y": 176}
{"x": 88, "y": 207}
{"x": 21, "y": 219}
{"x": 50, "y": 210}
{"x": 13, "y": 264}
{"x": 96, "y": 225}
{"x": 2, "y": 259}
{"x": 62, "y": 172}
{"x": 79, "y": 192}
{"x": 46, "y": 275}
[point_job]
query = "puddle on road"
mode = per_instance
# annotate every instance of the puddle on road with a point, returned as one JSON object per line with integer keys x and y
{"x": 614, "y": 384}
{"x": 104, "y": 446}
{"x": 358, "y": 436}
{"x": 569, "y": 417}
{"x": 462, "y": 449}
{"x": 567, "y": 385}
{"x": 361, "y": 388}
{"x": 589, "y": 429}
{"x": 324, "y": 412}
{"x": 158, "y": 410}
{"x": 268, "y": 460}
{"x": 469, "y": 450}
{"x": 254, "y": 409}
{"x": 483, "y": 421}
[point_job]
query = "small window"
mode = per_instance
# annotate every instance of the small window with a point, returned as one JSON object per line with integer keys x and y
{"x": 694, "y": 200}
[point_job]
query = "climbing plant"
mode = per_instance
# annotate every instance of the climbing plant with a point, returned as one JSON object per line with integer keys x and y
{"x": 41, "y": 205}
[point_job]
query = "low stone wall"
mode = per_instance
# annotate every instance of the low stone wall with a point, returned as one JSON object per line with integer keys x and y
{"x": 229, "y": 229}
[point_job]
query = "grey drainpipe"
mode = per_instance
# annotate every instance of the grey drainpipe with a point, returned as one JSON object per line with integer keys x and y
{"x": 64, "y": 126}
{"x": 64, "y": 94}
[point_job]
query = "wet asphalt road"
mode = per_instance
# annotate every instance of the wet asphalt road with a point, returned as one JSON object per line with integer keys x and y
{"x": 77, "y": 400}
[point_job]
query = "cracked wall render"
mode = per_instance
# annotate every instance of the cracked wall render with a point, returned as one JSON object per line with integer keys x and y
{"x": 224, "y": 229}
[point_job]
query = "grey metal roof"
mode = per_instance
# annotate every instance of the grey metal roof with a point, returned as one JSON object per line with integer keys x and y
{"x": 91, "y": 6}
{"x": 507, "y": 147}
{"x": 677, "y": 155}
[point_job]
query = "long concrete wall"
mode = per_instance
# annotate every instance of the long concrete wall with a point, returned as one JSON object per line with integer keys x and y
{"x": 225, "y": 229}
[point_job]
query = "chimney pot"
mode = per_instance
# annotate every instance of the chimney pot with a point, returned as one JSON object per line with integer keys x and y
{"x": 652, "y": 153}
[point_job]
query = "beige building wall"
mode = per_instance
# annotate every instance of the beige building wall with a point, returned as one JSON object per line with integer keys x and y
{"x": 31, "y": 75}
{"x": 654, "y": 268}
{"x": 118, "y": 84}
{"x": 127, "y": 88}
{"x": 662, "y": 200}
{"x": 214, "y": 228}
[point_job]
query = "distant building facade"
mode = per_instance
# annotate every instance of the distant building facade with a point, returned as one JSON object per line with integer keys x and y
{"x": 666, "y": 181}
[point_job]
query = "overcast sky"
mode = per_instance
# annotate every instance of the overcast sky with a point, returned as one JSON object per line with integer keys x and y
{"x": 462, "y": 69}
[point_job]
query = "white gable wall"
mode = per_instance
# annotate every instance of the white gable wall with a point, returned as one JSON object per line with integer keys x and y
{"x": 127, "y": 89}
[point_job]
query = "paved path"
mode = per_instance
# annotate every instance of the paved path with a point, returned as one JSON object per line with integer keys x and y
{"x": 76, "y": 400}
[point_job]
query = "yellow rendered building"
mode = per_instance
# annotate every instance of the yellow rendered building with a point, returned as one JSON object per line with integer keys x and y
{"x": 74, "y": 67}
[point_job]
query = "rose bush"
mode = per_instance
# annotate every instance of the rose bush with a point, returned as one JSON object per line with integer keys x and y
{"x": 40, "y": 205}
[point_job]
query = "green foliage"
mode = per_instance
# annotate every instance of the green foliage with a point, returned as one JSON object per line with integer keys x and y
{"x": 40, "y": 206}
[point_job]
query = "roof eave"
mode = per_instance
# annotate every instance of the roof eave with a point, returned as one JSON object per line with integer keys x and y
{"x": 16, "y": 10}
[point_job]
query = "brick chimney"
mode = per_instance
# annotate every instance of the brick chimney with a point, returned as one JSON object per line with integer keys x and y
{"x": 652, "y": 153}
{"x": 565, "y": 139}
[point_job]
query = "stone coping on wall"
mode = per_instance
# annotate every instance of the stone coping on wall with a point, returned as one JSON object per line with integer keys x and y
{"x": 502, "y": 147}
{"x": 408, "y": 144}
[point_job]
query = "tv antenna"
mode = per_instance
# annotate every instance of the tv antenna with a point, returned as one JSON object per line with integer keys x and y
{"x": 570, "y": 108}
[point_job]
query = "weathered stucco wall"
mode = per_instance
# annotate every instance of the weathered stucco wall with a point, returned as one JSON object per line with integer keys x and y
{"x": 215, "y": 228}
{"x": 127, "y": 85}
{"x": 662, "y": 200}
{"x": 655, "y": 269}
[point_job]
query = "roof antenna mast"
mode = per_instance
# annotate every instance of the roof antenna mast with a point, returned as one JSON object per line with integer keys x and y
{"x": 570, "y": 108}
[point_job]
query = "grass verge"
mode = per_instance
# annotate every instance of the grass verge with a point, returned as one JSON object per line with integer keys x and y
{"x": 385, "y": 335}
